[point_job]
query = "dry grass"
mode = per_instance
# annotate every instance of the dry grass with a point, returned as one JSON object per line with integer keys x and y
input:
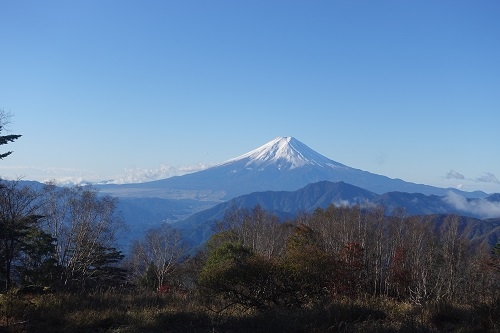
{"x": 147, "y": 312}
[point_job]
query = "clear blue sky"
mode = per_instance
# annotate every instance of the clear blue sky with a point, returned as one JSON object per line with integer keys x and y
{"x": 135, "y": 89}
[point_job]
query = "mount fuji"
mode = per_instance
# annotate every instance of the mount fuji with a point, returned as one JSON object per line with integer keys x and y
{"x": 283, "y": 164}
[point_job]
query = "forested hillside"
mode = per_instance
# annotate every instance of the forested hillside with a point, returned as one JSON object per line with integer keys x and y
{"x": 346, "y": 269}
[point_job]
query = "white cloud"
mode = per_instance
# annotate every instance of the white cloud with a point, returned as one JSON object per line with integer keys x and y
{"x": 70, "y": 176}
{"x": 59, "y": 175}
{"x": 140, "y": 175}
{"x": 342, "y": 203}
{"x": 480, "y": 207}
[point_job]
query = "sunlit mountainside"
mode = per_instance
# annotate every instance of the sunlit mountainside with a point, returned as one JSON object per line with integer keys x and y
{"x": 284, "y": 163}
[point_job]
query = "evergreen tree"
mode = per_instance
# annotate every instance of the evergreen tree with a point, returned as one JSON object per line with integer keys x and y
{"x": 5, "y": 139}
{"x": 105, "y": 271}
{"x": 18, "y": 218}
{"x": 496, "y": 250}
{"x": 37, "y": 264}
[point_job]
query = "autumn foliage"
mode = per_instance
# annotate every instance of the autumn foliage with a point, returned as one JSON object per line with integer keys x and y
{"x": 352, "y": 252}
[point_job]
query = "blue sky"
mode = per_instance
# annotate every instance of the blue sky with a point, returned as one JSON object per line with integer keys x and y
{"x": 136, "y": 90}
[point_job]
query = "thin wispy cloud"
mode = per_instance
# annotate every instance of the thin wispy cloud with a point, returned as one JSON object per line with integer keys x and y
{"x": 59, "y": 175}
{"x": 488, "y": 177}
{"x": 23, "y": 168}
{"x": 381, "y": 158}
{"x": 454, "y": 175}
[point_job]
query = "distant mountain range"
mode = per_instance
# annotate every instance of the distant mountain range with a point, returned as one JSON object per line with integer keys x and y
{"x": 286, "y": 177}
{"x": 283, "y": 164}
{"x": 285, "y": 204}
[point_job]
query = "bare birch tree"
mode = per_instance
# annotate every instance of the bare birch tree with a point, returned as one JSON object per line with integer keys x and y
{"x": 86, "y": 226}
{"x": 162, "y": 249}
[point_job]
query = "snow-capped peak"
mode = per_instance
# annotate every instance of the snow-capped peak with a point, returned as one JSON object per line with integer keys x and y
{"x": 285, "y": 153}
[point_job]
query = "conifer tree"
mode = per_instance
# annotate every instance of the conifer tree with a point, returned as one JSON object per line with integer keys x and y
{"x": 5, "y": 139}
{"x": 18, "y": 218}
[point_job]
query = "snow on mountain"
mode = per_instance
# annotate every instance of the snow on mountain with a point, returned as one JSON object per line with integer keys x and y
{"x": 283, "y": 164}
{"x": 285, "y": 153}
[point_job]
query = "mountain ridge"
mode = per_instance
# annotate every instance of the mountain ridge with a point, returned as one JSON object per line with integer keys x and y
{"x": 284, "y": 163}
{"x": 285, "y": 204}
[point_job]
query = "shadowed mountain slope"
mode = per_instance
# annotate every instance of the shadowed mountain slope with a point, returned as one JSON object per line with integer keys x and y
{"x": 198, "y": 227}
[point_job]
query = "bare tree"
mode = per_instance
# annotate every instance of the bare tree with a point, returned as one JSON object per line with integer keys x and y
{"x": 456, "y": 258}
{"x": 162, "y": 249}
{"x": 257, "y": 229}
{"x": 85, "y": 226}
{"x": 264, "y": 234}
